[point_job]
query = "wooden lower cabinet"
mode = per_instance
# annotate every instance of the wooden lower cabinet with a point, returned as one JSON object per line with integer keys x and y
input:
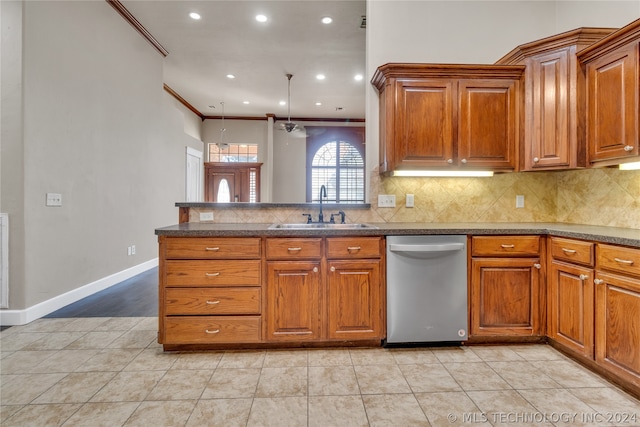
{"x": 505, "y": 297}
{"x": 293, "y": 300}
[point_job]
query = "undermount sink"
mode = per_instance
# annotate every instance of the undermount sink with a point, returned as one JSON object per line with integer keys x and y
{"x": 323, "y": 225}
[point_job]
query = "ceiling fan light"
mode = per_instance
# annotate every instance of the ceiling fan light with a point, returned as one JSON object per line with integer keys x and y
{"x": 290, "y": 126}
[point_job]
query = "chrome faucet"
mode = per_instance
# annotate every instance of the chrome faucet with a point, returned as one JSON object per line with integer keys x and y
{"x": 323, "y": 192}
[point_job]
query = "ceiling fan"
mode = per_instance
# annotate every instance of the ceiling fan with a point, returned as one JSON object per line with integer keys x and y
{"x": 289, "y": 126}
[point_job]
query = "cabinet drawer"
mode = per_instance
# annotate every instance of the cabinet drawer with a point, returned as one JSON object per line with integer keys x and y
{"x": 212, "y": 301}
{"x": 211, "y": 329}
{"x": 505, "y": 245}
{"x": 353, "y": 247}
{"x": 213, "y": 273}
{"x": 294, "y": 248}
{"x": 212, "y": 248}
{"x": 618, "y": 259}
{"x": 575, "y": 251}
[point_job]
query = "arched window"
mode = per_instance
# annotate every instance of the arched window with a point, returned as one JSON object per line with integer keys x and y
{"x": 335, "y": 159}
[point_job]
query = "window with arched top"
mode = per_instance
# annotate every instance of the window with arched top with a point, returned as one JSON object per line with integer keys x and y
{"x": 335, "y": 159}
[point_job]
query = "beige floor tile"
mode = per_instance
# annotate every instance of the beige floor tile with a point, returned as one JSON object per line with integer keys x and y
{"x": 610, "y": 400}
{"x": 115, "y": 359}
{"x": 476, "y": 376}
{"x": 84, "y": 324}
{"x": 569, "y": 374}
{"x": 554, "y": 403}
{"x": 174, "y": 413}
{"x": 118, "y": 324}
{"x": 430, "y": 377}
{"x": 22, "y": 362}
{"x": 285, "y": 358}
{"x": 455, "y": 354}
{"x": 102, "y": 414}
{"x": 412, "y": 356}
{"x": 380, "y": 379}
{"x": 232, "y": 383}
{"x": 22, "y": 389}
{"x": 129, "y": 386}
{"x": 181, "y": 385}
{"x": 337, "y": 411}
{"x": 221, "y": 412}
{"x": 8, "y": 410}
{"x": 75, "y": 388}
{"x": 522, "y": 375}
{"x": 332, "y": 380}
{"x": 206, "y": 360}
{"x": 95, "y": 340}
{"x": 149, "y": 360}
{"x": 371, "y": 356}
{"x": 394, "y": 410}
{"x": 496, "y": 353}
{"x": 42, "y": 415}
{"x": 329, "y": 357}
{"x": 242, "y": 359}
{"x": 134, "y": 339}
{"x": 54, "y": 341}
{"x": 532, "y": 352}
{"x": 20, "y": 340}
{"x": 4, "y": 354}
{"x": 278, "y": 412}
{"x": 147, "y": 324}
{"x": 453, "y": 408}
{"x": 64, "y": 361}
{"x": 282, "y": 382}
{"x": 46, "y": 325}
{"x": 500, "y": 405}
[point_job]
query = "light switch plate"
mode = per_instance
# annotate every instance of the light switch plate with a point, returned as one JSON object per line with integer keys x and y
{"x": 54, "y": 199}
{"x": 409, "y": 201}
{"x": 386, "y": 201}
{"x": 206, "y": 216}
{"x": 519, "y": 201}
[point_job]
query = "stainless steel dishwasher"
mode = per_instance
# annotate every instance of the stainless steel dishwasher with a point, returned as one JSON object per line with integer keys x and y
{"x": 426, "y": 289}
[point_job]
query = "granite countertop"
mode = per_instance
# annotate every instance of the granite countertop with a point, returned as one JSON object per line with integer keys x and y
{"x": 614, "y": 235}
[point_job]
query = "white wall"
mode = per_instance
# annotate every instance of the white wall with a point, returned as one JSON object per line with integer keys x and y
{"x": 99, "y": 129}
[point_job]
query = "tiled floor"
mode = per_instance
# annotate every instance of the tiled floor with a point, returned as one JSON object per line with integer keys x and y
{"x": 111, "y": 372}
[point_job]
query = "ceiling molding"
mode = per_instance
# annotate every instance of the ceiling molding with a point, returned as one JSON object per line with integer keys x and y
{"x": 183, "y": 101}
{"x": 124, "y": 12}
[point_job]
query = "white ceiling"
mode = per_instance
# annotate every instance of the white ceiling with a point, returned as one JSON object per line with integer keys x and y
{"x": 228, "y": 40}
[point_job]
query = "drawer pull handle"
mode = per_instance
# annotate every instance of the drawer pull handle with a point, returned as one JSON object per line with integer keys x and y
{"x": 583, "y": 277}
{"x": 353, "y": 248}
{"x": 628, "y": 148}
{"x": 508, "y": 246}
{"x": 568, "y": 251}
{"x": 538, "y": 266}
{"x": 213, "y": 302}
{"x": 624, "y": 261}
{"x": 294, "y": 249}
{"x": 212, "y": 249}
{"x": 598, "y": 281}
{"x": 211, "y": 274}
{"x": 212, "y": 332}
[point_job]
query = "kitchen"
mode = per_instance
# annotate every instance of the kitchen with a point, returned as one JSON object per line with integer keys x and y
{"x": 103, "y": 212}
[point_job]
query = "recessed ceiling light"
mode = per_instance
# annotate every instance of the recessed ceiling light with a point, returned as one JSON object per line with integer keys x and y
{"x": 261, "y": 18}
{"x": 320, "y": 77}
{"x": 358, "y": 77}
{"x": 327, "y": 20}
{"x": 195, "y": 15}
{"x": 283, "y": 103}
{"x": 245, "y": 102}
{"x": 318, "y": 103}
{"x": 231, "y": 76}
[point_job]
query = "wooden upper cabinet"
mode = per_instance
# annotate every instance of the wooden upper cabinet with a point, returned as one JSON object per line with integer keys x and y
{"x": 554, "y": 92}
{"x": 448, "y": 116}
{"x": 612, "y": 71}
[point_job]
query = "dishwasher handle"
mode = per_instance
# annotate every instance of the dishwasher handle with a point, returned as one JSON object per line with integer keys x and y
{"x": 426, "y": 248}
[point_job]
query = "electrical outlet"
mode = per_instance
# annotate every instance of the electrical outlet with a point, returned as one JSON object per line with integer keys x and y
{"x": 133, "y": 249}
{"x": 409, "y": 201}
{"x": 54, "y": 199}
{"x": 206, "y": 216}
{"x": 386, "y": 201}
{"x": 129, "y": 250}
{"x": 519, "y": 201}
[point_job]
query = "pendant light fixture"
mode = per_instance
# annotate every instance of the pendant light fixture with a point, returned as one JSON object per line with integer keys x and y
{"x": 222, "y": 144}
{"x": 289, "y": 126}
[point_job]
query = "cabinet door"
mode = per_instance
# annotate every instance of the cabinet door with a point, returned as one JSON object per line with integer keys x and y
{"x": 570, "y": 309}
{"x": 612, "y": 108}
{"x": 423, "y": 123}
{"x": 355, "y": 298}
{"x": 293, "y": 301}
{"x": 618, "y": 325}
{"x": 488, "y": 123}
{"x": 550, "y": 137}
{"x": 505, "y": 296}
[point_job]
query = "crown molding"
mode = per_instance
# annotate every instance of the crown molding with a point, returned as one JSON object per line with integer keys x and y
{"x": 124, "y": 12}
{"x": 183, "y": 101}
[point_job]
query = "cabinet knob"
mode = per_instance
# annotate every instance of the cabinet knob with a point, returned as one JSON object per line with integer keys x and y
{"x": 463, "y": 161}
{"x": 333, "y": 269}
{"x": 450, "y": 161}
{"x": 628, "y": 148}
{"x": 598, "y": 281}
{"x": 315, "y": 269}
{"x": 538, "y": 266}
{"x": 583, "y": 277}
{"x": 536, "y": 160}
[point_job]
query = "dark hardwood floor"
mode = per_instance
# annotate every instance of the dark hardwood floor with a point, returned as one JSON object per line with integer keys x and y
{"x": 134, "y": 297}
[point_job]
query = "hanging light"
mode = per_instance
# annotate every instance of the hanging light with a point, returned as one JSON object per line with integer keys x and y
{"x": 222, "y": 145}
{"x": 289, "y": 126}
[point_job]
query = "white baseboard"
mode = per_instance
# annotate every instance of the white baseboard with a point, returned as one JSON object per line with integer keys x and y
{"x": 22, "y": 317}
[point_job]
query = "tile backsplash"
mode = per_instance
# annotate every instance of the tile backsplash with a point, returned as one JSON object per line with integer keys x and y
{"x": 606, "y": 196}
